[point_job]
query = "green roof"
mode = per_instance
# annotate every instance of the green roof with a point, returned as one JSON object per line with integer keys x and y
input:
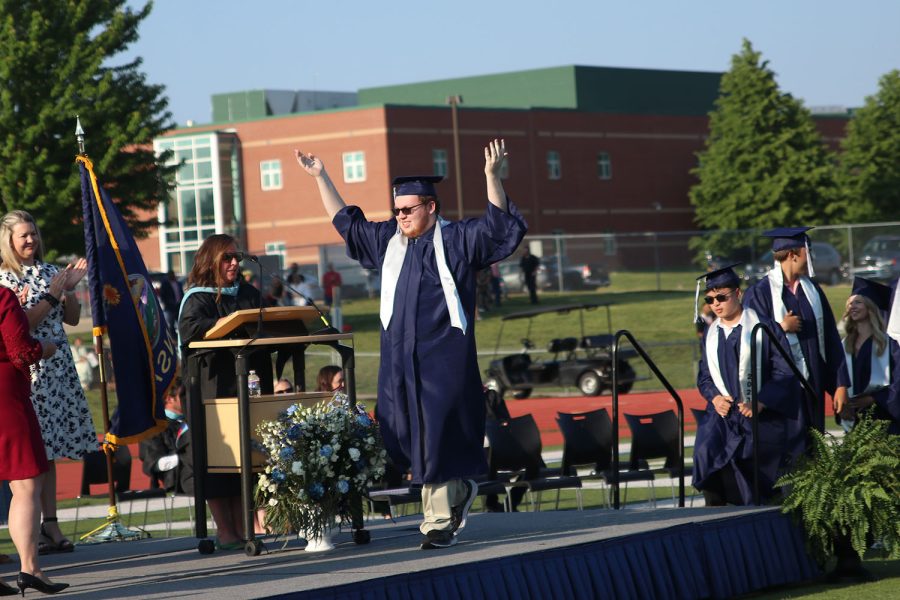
{"x": 592, "y": 89}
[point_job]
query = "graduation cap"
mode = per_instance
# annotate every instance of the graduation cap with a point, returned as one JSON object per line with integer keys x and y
{"x": 878, "y": 293}
{"x": 720, "y": 278}
{"x": 416, "y": 185}
{"x": 787, "y": 238}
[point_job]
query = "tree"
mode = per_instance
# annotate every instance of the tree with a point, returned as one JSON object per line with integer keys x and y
{"x": 870, "y": 164}
{"x": 764, "y": 165}
{"x": 55, "y": 62}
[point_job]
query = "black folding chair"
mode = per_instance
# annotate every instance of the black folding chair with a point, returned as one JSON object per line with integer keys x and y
{"x": 587, "y": 442}
{"x": 516, "y": 451}
{"x": 654, "y": 436}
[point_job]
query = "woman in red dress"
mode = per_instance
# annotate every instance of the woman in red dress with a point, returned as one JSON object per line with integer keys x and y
{"x": 23, "y": 460}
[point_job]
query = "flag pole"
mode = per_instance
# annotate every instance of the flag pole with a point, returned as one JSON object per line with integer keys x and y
{"x": 111, "y": 530}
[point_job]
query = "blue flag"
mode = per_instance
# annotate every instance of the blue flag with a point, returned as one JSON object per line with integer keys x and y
{"x": 126, "y": 309}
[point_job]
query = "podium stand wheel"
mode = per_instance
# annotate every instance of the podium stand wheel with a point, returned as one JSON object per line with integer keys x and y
{"x": 206, "y": 547}
{"x": 253, "y": 548}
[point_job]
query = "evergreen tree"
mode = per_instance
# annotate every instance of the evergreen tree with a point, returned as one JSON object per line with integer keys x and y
{"x": 57, "y": 61}
{"x": 870, "y": 163}
{"x": 764, "y": 165}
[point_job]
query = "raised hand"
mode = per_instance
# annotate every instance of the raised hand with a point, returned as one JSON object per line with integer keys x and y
{"x": 494, "y": 157}
{"x": 310, "y": 163}
{"x": 75, "y": 273}
{"x": 58, "y": 284}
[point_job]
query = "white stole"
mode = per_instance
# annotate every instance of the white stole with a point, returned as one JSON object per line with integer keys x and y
{"x": 748, "y": 321}
{"x": 880, "y": 371}
{"x": 776, "y": 286}
{"x": 390, "y": 275}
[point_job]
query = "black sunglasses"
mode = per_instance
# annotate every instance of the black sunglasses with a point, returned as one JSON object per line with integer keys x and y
{"x": 717, "y": 297}
{"x": 230, "y": 256}
{"x": 406, "y": 210}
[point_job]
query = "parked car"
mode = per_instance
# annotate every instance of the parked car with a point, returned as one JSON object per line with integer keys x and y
{"x": 880, "y": 258}
{"x": 826, "y": 263}
{"x": 513, "y": 281}
{"x": 578, "y": 276}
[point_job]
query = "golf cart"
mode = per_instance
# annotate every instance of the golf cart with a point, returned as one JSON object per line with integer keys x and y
{"x": 584, "y": 362}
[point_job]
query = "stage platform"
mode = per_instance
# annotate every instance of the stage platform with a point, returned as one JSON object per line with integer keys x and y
{"x": 633, "y": 553}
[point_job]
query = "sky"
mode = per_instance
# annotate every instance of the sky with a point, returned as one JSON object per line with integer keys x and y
{"x": 825, "y": 52}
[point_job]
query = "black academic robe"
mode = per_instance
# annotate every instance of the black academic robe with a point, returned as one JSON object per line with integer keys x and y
{"x": 431, "y": 406}
{"x": 199, "y": 313}
{"x": 728, "y": 442}
{"x": 824, "y": 375}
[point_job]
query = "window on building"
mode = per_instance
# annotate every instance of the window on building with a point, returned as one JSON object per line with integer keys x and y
{"x": 604, "y": 166}
{"x": 554, "y": 165}
{"x": 354, "y": 166}
{"x": 270, "y": 174}
{"x": 439, "y": 161}
{"x": 189, "y": 215}
{"x": 277, "y": 249}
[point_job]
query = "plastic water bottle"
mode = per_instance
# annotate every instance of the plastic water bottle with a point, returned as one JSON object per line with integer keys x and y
{"x": 253, "y": 387}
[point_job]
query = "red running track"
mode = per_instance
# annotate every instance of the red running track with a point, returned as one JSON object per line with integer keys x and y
{"x": 543, "y": 409}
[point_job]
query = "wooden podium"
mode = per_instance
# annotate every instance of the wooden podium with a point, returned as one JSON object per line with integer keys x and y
{"x": 222, "y": 428}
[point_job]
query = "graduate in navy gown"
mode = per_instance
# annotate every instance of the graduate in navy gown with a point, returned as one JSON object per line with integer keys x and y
{"x": 723, "y": 450}
{"x": 790, "y": 297}
{"x": 868, "y": 350}
{"x": 431, "y": 407}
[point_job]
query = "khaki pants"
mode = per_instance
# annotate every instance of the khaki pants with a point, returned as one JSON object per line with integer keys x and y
{"x": 437, "y": 500}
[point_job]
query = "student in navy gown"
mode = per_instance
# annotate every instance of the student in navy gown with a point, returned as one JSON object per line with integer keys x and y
{"x": 868, "y": 354}
{"x": 790, "y": 297}
{"x": 723, "y": 450}
{"x": 431, "y": 407}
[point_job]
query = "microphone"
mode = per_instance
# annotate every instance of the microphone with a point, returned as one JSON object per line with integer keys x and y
{"x": 328, "y": 327}
{"x": 252, "y": 258}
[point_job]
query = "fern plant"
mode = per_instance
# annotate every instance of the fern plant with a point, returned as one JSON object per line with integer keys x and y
{"x": 848, "y": 486}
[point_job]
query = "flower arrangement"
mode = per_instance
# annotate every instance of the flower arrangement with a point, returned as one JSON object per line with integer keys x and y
{"x": 320, "y": 460}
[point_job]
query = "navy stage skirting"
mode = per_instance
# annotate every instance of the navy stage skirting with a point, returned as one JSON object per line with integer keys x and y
{"x": 719, "y": 558}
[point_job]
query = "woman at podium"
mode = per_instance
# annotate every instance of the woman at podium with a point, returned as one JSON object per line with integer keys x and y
{"x": 215, "y": 290}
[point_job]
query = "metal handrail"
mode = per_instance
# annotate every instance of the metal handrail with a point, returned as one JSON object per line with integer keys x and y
{"x": 615, "y": 413}
{"x": 754, "y": 395}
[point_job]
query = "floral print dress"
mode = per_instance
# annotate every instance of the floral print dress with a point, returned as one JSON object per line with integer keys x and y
{"x": 61, "y": 407}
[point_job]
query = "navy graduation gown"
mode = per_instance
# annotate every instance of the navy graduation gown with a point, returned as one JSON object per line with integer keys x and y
{"x": 824, "y": 375}
{"x": 728, "y": 442}
{"x": 887, "y": 403}
{"x": 431, "y": 407}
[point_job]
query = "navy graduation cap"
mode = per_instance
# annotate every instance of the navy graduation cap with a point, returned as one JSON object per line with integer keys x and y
{"x": 416, "y": 185}
{"x": 878, "y": 293}
{"x": 785, "y": 238}
{"x": 720, "y": 278}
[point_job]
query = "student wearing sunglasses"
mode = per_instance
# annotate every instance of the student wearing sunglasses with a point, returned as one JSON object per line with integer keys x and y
{"x": 430, "y": 401}
{"x": 723, "y": 451}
